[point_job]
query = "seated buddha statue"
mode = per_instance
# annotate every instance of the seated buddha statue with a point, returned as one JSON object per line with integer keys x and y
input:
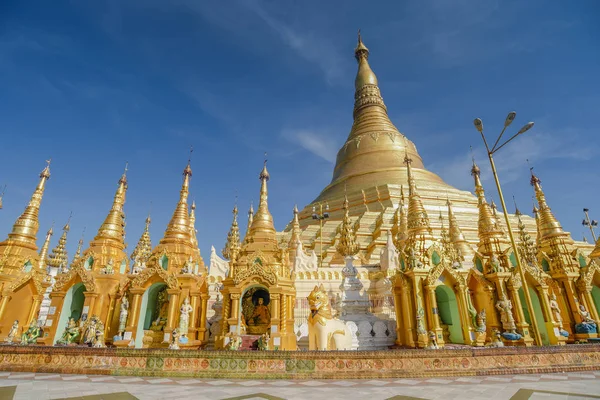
{"x": 260, "y": 319}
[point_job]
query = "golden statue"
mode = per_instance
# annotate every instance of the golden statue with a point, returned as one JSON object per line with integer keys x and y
{"x": 260, "y": 319}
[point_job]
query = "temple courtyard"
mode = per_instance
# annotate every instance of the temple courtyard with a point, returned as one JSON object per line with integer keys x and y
{"x": 572, "y": 385}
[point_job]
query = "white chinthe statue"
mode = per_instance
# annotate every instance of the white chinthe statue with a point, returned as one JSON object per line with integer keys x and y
{"x": 324, "y": 331}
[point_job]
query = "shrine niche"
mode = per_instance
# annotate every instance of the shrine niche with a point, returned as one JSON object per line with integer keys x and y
{"x": 255, "y": 317}
{"x": 258, "y": 293}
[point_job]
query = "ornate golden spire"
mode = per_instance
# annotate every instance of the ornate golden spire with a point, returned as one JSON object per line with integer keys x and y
{"x": 347, "y": 245}
{"x": 232, "y": 246}
{"x": 263, "y": 220}
{"x": 538, "y": 237}
{"x": 193, "y": 230}
{"x": 372, "y": 154}
{"x": 527, "y": 247}
{"x": 295, "y": 236}
{"x": 456, "y": 235}
{"x": 26, "y": 226}
{"x": 548, "y": 224}
{"x": 143, "y": 249}
{"x": 178, "y": 229}
{"x": 44, "y": 250}
{"x": 596, "y": 252}
{"x": 77, "y": 255}
{"x": 449, "y": 251}
{"x": 112, "y": 229}
{"x": 488, "y": 224}
{"x": 418, "y": 221}
{"x": 59, "y": 257}
{"x": 400, "y": 226}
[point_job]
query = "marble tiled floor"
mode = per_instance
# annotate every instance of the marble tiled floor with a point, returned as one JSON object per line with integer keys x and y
{"x": 584, "y": 385}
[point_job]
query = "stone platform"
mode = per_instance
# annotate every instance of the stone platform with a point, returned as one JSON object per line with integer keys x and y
{"x": 300, "y": 365}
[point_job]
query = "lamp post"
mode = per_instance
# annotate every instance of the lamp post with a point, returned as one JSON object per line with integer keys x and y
{"x": 479, "y": 125}
{"x": 591, "y": 223}
{"x": 320, "y": 216}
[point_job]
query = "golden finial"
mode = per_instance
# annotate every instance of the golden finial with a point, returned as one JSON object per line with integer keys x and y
{"x": 361, "y": 50}
{"x": 527, "y": 247}
{"x": 517, "y": 211}
{"x": 295, "y": 236}
{"x": 27, "y": 225}
{"x": 179, "y": 228}
{"x": 77, "y": 255}
{"x": 263, "y": 221}
{"x": 365, "y": 77}
{"x": 45, "y": 247}
{"x": 143, "y": 249}
{"x": 232, "y": 246}
{"x": 456, "y": 235}
{"x": 347, "y": 245}
{"x": 59, "y": 257}
{"x": 549, "y": 226}
{"x": 418, "y": 221}
{"x": 112, "y": 229}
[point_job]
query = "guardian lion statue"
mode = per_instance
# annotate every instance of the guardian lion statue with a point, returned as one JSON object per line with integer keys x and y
{"x": 324, "y": 331}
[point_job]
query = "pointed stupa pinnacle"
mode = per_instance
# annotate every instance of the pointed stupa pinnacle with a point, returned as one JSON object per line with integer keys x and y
{"x": 488, "y": 223}
{"x": 143, "y": 249}
{"x": 27, "y": 225}
{"x": 44, "y": 250}
{"x": 59, "y": 257}
{"x": 178, "y": 229}
{"x": 548, "y": 224}
{"x": 456, "y": 235}
{"x": 347, "y": 244}
{"x": 232, "y": 246}
{"x": 112, "y": 229}
{"x": 263, "y": 220}
{"x": 418, "y": 221}
{"x": 526, "y": 246}
{"x": 295, "y": 235}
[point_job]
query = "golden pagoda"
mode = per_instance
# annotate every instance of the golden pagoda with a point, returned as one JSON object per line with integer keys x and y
{"x": 171, "y": 287}
{"x": 90, "y": 287}
{"x": 58, "y": 258}
{"x": 22, "y": 270}
{"x": 258, "y": 293}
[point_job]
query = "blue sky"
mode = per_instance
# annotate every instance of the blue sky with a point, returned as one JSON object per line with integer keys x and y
{"x": 96, "y": 84}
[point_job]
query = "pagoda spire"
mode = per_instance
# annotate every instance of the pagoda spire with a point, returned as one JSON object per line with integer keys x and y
{"x": 143, "y": 249}
{"x": 27, "y": 225}
{"x": 232, "y": 246}
{"x": 295, "y": 234}
{"x": 347, "y": 245}
{"x": 418, "y": 221}
{"x": 549, "y": 225}
{"x": 527, "y": 247}
{"x": 59, "y": 258}
{"x": 488, "y": 224}
{"x": 112, "y": 229}
{"x": 263, "y": 220}
{"x": 178, "y": 229}
{"x": 366, "y": 81}
{"x": 44, "y": 250}
{"x": 400, "y": 226}
{"x": 77, "y": 255}
{"x": 456, "y": 235}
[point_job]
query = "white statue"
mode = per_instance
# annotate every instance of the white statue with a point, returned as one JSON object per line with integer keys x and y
{"x": 14, "y": 329}
{"x": 585, "y": 316}
{"x": 303, "y": 262}
{"x": 123, "y": 315}
{"x": 99, "y": 338}
{"x": 188, "y": 268}
{"x": 389, "y": 255}
{"x": 184, "y": 317}
{"x": 325, "y": 332}
{"x": 138, "y": 266}
{"x": 109, "y": 268}
{"x": 218, "y": 266}
{"x": 555, "y": 310}
{"x": 506, "y": 317}
{"x": 174, "y": 339}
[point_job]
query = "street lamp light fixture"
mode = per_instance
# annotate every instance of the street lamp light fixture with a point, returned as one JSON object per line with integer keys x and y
{"x": 590, "y": 223}
{"x": 320, "y": 216}
{"x": 479, "y": 126}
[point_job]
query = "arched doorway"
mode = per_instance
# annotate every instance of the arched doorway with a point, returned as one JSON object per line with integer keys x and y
{"x": 539, "y": 315}
{"x": 154, "y": 307}
{"x": 255, "y": 310}
{"x": 448, "y": 312}
{"x": 72, "y": 308}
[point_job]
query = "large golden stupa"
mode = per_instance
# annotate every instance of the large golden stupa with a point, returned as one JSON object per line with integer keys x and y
{"x": 371, "y": 170}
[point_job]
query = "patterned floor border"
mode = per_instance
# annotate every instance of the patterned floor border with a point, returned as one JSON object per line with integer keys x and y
{"x": 299, "y": 365}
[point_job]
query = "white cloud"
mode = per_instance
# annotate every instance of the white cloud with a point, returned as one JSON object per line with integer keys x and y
{"x": 317, "y": 143}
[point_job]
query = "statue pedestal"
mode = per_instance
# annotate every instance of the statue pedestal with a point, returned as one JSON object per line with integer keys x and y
{"x": 121, "y": 343}
{"x": 190, "y": 345}
{"x": 585, "y": 336}
{"x": 554, "y": 335}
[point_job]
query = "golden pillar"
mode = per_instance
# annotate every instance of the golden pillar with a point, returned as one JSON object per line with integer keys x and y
{"x": 284, "y": 318}
{"x": 3, "y": 303}
{"x": 134, "y": 309}
{"x": 35, "y": 305}
{"x": 433, "y": 313}
{"x": 235, "y": 311}
{"x": 398, "y": 308}
{"x": 521, "y": 322}
{"x": 462, "y": 301}
{"x": 193, "y": 328}
{"x": 591, "y": 306}
{"x": 407, "y": 313}
{"x": 202, "y": 328}
{"x": 173, "y": 308}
